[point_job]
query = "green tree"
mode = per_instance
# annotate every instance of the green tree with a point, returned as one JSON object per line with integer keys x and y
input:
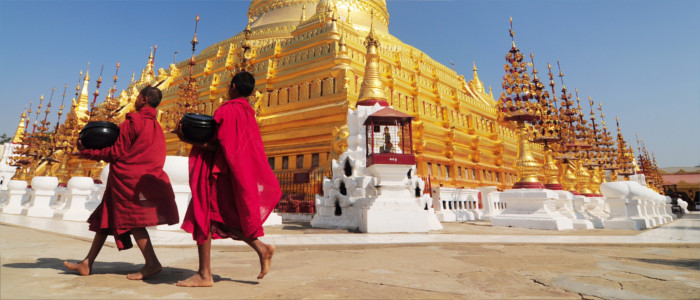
{"x": 4, "y": 138}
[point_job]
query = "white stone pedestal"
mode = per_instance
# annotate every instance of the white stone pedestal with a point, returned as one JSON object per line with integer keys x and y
{"x": 595, "y": 210}
{"x": 624, "y": 211}
{"x": 566, "y": 207}
{"x": 79, "y": 190}
{"x": 177, "y": 168}
{"x": 433, "y": 222}
{"x": 43, "y": 188}
{"x": 531, "y": 208}
{"x": 668, "y": 209}
{"x": 16, "y": 190}
{"x": 395, "y": 209}
{"x": 491, "y": 198}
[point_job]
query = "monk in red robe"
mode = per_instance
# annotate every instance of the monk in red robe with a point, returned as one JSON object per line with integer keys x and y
{"x": 138, "y": 192}
{"x": 233, "y": 187}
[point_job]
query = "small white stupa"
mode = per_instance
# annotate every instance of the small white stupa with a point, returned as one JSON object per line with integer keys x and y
{"x": 374, "y": 187}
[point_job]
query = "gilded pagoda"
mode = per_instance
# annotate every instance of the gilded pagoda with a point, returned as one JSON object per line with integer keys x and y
{"x": 309, "y": 61}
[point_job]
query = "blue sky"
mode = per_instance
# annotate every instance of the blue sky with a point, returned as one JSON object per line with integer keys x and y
{"x": 640, "y": 58}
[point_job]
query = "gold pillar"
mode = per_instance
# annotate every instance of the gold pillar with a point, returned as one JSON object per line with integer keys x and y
{"x": 596, "y": 179}
{"x": 582, "y": 177}
{"x": 526, "y": 166}
{"x": 568, "y": 174}
{"x": 551, "y": 171}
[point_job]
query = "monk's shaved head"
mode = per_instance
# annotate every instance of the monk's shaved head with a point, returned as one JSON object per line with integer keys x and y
{"x": 244, "y": 83}
{"x": 153, "y": 94}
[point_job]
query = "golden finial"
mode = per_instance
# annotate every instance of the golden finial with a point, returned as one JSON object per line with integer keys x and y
{"x": 532, "y": 61}
{"x": 194, "y": 41}
{"x": 303, "y": 13}
{"x": 561, "y": 75}
{"x": 77, "y": 86}
{"x": 511, "y": 32}
{"x": 97, "y": 91}
{"x": 60, "y": 110}
{"x": 114, "y": 78}
{"x": 371, "y": 23}
{"x": 38, "y": 111}
{"x": 349, "y": 19}
{"x": 153, "y": 56}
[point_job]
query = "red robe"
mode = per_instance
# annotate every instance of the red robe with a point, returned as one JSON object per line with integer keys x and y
{"x": 233, "y": 188}
{"x": 138, "y": 192}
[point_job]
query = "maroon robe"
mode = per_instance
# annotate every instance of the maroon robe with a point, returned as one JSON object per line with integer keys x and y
{"x": 233, "y": 188}
{"x": 138, "y": 192}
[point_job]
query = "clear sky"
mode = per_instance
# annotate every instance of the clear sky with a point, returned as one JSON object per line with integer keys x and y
{"x": 640, "y": 58}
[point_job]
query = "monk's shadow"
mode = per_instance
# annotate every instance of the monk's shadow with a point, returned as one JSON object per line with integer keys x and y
{"x": 168, "y": 275}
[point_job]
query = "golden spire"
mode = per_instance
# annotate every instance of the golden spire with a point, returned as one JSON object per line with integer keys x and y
{"x": 93, "y": 109}
{"x": 147, "y": 74}
{"x": 334, "y": 19}
{"x": 372, "y": 87}
{"x": 45, "y": 122}
{"x": 153, "y": 58}
{"x": 342, "y": 47}
{"x": 74, "y": 104}
{"x": 20, "y": 128}
{"x": 82, "y": 107}
{"x": 607, "y": 142}
{"x": 60, "y": 109}
{"x": 475, "y": 83}
{"x": 38, "y": 111}
{"x": 303, "y": 13}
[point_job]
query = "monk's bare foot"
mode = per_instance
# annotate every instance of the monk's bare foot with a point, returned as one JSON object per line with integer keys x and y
{"x": 265, "y": 259}
{"x": 82, "y": 267}
{"x": 197, "y": 280}
{"x": 145, "y": 272}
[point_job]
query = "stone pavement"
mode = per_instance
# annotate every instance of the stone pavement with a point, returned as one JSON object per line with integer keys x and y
{"x": 466, "y": 260}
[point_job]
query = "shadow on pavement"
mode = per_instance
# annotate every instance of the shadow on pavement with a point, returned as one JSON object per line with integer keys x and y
{"x": 692, "y": 264}
{"x": 168, "y": 275}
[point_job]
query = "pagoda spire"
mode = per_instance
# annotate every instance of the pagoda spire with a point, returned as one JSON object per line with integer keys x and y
{"x": 20, "y": 128}
{"x": 82, "y": 106}
{"x": 38, "y": 112}
{"x": 372, "y": 89}
{"x": 625, "y": 161}
{"x": 147, "y": 74}
{"x": 518, "y": 103}
{"x": 607, "y": 142}
{"x": 476, "y": 83}
{"x": 547, "y": 128}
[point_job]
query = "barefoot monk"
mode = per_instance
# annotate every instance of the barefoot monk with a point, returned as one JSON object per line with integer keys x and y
{"x": 233, "y": 187}
{"x": 138, "y": 192}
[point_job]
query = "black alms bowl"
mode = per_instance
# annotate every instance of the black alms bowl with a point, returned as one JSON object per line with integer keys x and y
{"x": 98, "y": 135}
{"x": 197, "y": 128}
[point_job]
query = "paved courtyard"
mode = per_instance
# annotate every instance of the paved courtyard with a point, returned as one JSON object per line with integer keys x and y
{"x": 465, "y": 260}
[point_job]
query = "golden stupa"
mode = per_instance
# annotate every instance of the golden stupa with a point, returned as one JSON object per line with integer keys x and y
{"x": 309, "y": 61}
